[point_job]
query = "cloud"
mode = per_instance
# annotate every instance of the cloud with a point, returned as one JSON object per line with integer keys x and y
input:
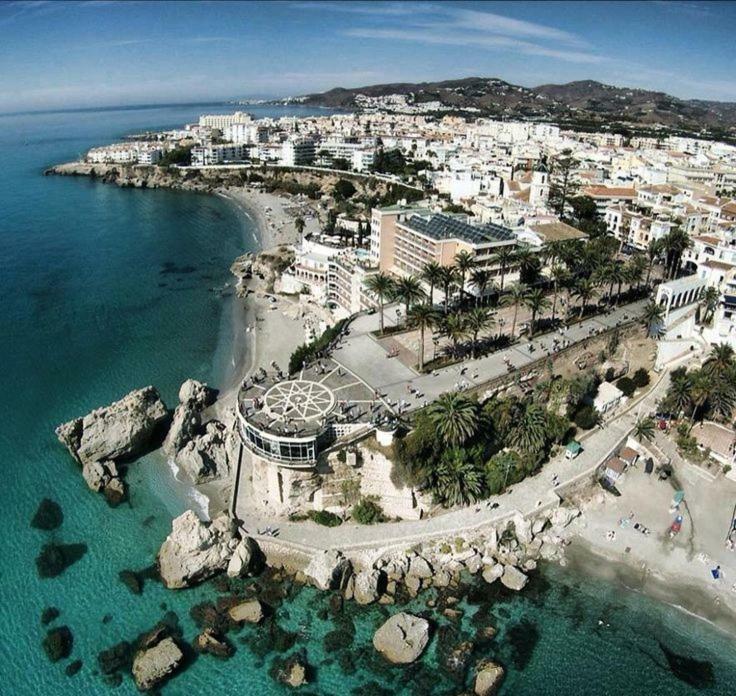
{"x": 448, "y": 24}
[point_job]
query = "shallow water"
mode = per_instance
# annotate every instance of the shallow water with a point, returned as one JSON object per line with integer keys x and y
{"x": 106, "y": 289}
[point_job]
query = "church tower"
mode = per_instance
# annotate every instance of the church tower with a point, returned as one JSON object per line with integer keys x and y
{"x": 539, "y": 192}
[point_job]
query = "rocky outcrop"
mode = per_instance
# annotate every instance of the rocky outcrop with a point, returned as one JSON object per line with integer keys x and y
{"x": 328, "y": 570}
{"x": 195, "y": 550}
{"x": 246, "y": 559}
{"x": 124, "y": 429}
{"x": 103, "y": 477}
{"x": 208, "y": 456}
{"x": 194, "y": 397}
{"x": 293, "y": 671}
{"x": 488, "y": 678}
{"x": 491, "y": 573}
{"x": 513, "y": 578}
{"x": 153, "y": 665}
{"x": 402, "y": 638}
{"x": 212, "y": 643}
{"x": 250, "y": 611}
{"x": 366, "y": 586}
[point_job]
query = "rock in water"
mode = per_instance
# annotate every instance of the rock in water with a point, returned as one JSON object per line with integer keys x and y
{"x": 366, "y": 586}
{"x": 488, "y": 678}
{"x": 250, "y": 611}
{"x": 513, "y": 578}
{"x": 54, "y": 559}
{"x": 402, "y": 638}
{"x": 328, "y": 569}
{"x": 211, "y": 642}
{"x": 58, "y": 643}
{"x": 72, "y": 668}
{"x": 292, "y": 671}
{"x": 49, "y": 515}
{"x": 245, "y": 559}
{"x": 153, "y": 665}
{"x": 124, "y": 429}
{"x": 131, "y": 580}
{"x": 194, "y": 397}
{"x": 49, "y": 614}
{"x": 195, "y": 551}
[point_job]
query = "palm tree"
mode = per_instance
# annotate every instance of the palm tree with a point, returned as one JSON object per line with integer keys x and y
{"x": 515, "y": 296}
{"x": 458, "y": 481}
{"x": 620, "y": 275}
{"x": 652, "y": 318}
{"x": 584, "y": 290}
{"x": 710, "y": 302}
{"x": 464, "y": 262}
{"x": 299, "y": 225}
{"x": 424, "y": 316}
{"x": 432, "y": 275}
{"x": 654, "y": 251}
{"x": 675, "y": 243}
{"x": 456, "y": 418}
{"x": 644, "y": 429}
{"x": 720, "y": 363}
{"x": 722, "y": 397}
{"x": 382, "y": 286}
{"x": 699, "y": 392}
{"x": 554, "y": 251}
{"x": 455, "y": 327}
{"x": 535, "y": 302}
{"x": 408, "y": 289}
{"x": 635, "y": 271}
{"x": 477, "y": 320}
{"x": 449, "y": 278}
{"x": 504, "y": 258}
{"x": 480, "y": 278}
{"x": 527, "y": 260}
{"x": 530, "y": 431}
{"x": 679, "y": 393}
{"x": 560, "y": 276}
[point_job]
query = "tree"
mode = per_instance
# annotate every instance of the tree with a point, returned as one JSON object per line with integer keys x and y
{"x": 584, "y": 290}
{"x": 635, "y": 271}
{"x": 367, "y": 511}
{"x": 652, "y": 319}
{"x": 455, "y": 327}
{"x": 529, "y": 264}
{"x": 504, "y": 258}
{"x": 675, "y": 243}
{"x": 654, "y": 251}
{"x": 710, "y": 303}
{"x": 535, "y": 302}
{"x": 449, "y": 278}
{"x": 516, "y": 295}
{"x": 456, "y": 418}
{"x": 408, "y": 289}
{"x": 464, "y": 262}
{"x": 480, "y": 278}
{"x": 424, "y": 316}
{"x": 720, "y": 363}
{"x": 679, "y": 393}
{"x": 699, "y": 391}
{"x": 432, "y": 275}
{"x": 476, "y": 320}
{"x": 529, "y": 432}
{"x": 562, "y": 186}
{"x": 644, "y": 429}
{"x": 382, "y": 286}
{"x": 343, "y": 189}
{"x": 458, "y": 480}
{"x": 299, "y": 225}
{"x": 560, "y": 276}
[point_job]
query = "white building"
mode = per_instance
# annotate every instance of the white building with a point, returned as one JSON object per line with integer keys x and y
{"x": 222, "y": 121}
{"x": 207, "y": 155}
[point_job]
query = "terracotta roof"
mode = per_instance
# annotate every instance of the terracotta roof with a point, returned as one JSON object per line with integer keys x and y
{"x": 628, "y": 454}
{"x": 609, "y": 192}
{"x": 718, "y": 265}
{"x": 615, "y": 464}
{"x": 708, "y": 240}
{"x": 729, "y": 208}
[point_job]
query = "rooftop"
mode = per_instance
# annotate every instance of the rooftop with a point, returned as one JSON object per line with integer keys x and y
{"x": 442, "y": 226}
{"x": 557, "y": 232}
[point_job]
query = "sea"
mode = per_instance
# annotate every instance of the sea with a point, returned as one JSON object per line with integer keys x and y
{"x": 103, "y": 290}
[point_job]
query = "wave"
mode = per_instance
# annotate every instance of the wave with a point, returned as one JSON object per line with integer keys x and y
{"x": 200, "y": 502}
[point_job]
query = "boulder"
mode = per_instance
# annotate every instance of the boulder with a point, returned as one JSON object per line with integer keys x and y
{"x": 124, "y": 429}
{"x": 292, "y": 671}
{"x": 213, "y": 643}
{"x": 488, "y": 678}
{"x": 523, "y": 529}
{"x": 562, "y": 516}
{"x": 513, "y": 578}
{"x": 58, "y": 643}
{"x": 48, "y": 516}
{"x": 195, "y": 550}
{"x": 250, "y": 611}
{"x": 366, "y": 586}
{"x": 539, "y": 524}
{"x": 194, "y": 397}
{"x": 115, "y": 491}
{"x": 402, "y": 638}
{"x": 491, "y": 573}
{"x": 244, "y": 559}
{"x": 328, "y": 570}
{"x": 474, "y": 563}
{"x": 208, "y": 456}
{"x": 153, "y": 665}
{"x": 419, "y": 567}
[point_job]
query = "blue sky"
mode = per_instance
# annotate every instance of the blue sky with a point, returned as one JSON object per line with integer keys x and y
{"x": 106, "y": 52}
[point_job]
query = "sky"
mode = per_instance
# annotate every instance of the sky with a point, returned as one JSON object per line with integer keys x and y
{"x": 76, "y": 54}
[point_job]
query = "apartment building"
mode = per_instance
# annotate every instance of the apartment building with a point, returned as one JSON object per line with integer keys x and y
{"x": 405, "y": 239}
{"x": 223, "y": 121}
{"x": 207, "y": 155}
{"x": 298, "y": 152}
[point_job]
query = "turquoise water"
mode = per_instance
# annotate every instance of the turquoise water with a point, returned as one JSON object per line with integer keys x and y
{"x": 104, "y": 290}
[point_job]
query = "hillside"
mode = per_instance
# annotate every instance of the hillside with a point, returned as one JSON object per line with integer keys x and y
{"x": 585, "y": 101}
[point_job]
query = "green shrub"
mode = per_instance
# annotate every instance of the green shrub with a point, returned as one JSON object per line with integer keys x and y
{"x": 586, "y": 417}
{"x": 641, "y": 377}
{"x": 179, "y": 155}
{"x": 626, "y": 385}
{"x": 368, "y": 511}
{"x": 326, "y": 519}
{"x": 305, "y": 352}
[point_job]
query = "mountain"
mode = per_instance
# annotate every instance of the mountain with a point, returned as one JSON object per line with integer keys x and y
{"x": 582, "y": 102}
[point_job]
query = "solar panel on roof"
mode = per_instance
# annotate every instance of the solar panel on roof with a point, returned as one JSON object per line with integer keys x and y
{"x": 440, "y": 226}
